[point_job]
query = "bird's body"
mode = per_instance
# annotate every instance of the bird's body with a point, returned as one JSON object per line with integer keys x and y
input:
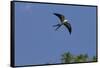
{"x": 63, "y": 22}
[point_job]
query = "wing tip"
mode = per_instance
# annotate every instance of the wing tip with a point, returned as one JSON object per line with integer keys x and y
{"x": 70, "y": 33}
{"x": 55, "y": 13}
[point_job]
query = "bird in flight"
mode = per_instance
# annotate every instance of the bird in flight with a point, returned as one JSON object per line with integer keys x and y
{"x": 63, "y": 22}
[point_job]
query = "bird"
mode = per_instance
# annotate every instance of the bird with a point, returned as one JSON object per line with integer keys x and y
{"x": 63, "y": 22}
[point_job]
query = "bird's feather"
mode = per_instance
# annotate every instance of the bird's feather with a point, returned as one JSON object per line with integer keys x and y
{"x": 68, "y": 26}
{"x": 64, "y": 22}
{"x": 61, "y": 17}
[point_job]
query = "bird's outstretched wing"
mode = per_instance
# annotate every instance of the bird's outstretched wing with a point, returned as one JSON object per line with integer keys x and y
{"x": 68, "y": 26}
{"x": 61, "y": 17}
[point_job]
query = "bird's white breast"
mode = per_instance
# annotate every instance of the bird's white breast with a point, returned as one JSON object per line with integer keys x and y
{"x": 65, "y": 20}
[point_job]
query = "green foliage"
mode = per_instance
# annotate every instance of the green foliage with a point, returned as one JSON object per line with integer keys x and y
{"x": 67, "y": 57}
{"x": 94, "y": 58}
{"x": 81, "y": 58}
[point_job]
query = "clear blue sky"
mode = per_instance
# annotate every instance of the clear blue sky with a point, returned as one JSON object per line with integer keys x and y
{"x": 36, "y": 41}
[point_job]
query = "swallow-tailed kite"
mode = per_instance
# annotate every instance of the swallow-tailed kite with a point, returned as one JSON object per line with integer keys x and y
{"x": 63, "y": 22}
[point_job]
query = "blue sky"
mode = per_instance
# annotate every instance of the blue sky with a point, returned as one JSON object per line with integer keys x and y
{"x": 36, "y": 41}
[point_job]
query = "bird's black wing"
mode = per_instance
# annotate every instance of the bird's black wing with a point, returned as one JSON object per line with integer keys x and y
{"x": 68, "y": 25}
{"x": 61, "y": 17}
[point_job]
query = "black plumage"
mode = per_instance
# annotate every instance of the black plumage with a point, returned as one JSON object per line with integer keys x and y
{"x": 63, "y": 22}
